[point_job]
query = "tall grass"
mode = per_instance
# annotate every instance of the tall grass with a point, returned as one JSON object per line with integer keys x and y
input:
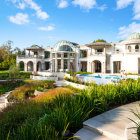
{"x": 50, "y": 118}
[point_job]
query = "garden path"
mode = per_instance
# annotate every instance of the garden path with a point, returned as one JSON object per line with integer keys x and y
{"x": 111, "y": 125}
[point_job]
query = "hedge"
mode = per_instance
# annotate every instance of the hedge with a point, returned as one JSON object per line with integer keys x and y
{"x": 5, "y": 75}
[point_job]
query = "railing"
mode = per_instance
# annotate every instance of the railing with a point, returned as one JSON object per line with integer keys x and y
{"x": 29, "y": 56}
{"x": 127, "y": 51}
{"x": 97, "y": 53}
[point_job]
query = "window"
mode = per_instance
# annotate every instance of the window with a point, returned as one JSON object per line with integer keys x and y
{"x": 137, "y": 48}
{"x": 47, "y": 54}
{"x": 53, "y": 55}
{"x": 98, "y": 51}
{"x": 71, "y": 55}
{"x": 65, "y": 48}
{"x": 129, "y": 48}
{"x": 59, "y": 64}
{"x": 65, "y": 55}
{"x": 35, "y": 53}
{"x": 65, "y": 64}
{"x": 59, "y": 55}
{"x": 83, "y": 53}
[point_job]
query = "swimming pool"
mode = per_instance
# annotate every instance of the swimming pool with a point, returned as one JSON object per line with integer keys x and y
{"x": 103, "y": 78}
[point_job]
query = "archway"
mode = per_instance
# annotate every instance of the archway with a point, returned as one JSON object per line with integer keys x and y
{"x": 39, "y": 66}
{"x": 97, "y": 66}
{"x": 21, "y": 66}
{"x": 30, "y": 66}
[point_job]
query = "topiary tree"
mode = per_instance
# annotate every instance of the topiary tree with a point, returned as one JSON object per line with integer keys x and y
{"x": 14, "y": 72}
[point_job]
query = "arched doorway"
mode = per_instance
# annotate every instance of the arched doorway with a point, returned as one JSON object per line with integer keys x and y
{"x": 21, "y": 66}
{"x": 30, "y": 66}
{"x": 97, "y": 66}
{"x": 39, "y": 66}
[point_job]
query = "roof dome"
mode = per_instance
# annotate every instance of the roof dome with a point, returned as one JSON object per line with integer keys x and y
{"x": 65, "y": 46}
{"x": 134, "y": 36}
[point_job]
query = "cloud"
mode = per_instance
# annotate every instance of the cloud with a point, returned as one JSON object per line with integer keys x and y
{"x": 62, "y": 3}
{"x": 124, "y": 3}
{"x": 85, "y": 4}
{"x": 102, "y": 7}
{"x": 49, "y": 28}
{"x": 22, "y": 4}
{"x": 125, "y": 31}
{"x": 19, "y": 18}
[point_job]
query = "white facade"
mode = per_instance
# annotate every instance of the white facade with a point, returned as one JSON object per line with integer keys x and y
{"x": 96, "y": 57}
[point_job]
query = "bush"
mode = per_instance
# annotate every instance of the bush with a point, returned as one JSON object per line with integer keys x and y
{"x": 24, "y": 92}
{"x": 22, "y": 75}
{"x": 9, "y": 85}
{"x": 14, "y": 72}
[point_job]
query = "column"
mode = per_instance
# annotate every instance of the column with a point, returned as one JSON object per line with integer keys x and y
{"x": 25, "y": 67}
{"x": 43, "y": 66}
{"x": 56, "y": 69}
{"x": 68, "y": 63}
{"x": 62, "y": 62}
{"x": 35, "y": 67}
{"x": 103, "y": 67}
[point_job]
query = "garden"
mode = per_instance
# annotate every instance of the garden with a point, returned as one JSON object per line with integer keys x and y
{"x": 58, "y": 113}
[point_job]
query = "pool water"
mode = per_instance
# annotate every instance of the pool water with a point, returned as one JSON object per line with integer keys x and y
{"x": 100, "y": 76}
{"x": 103, "y": 78}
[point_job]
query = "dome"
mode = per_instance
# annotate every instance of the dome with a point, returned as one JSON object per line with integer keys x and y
{"x": 134, "y": 36}
{"x": 65, "y": 46}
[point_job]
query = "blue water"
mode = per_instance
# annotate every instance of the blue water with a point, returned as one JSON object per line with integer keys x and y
{"x": 99, "y": 76}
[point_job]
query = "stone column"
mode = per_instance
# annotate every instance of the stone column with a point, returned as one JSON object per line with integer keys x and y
{"x": 56, "y": 69}
{"x": 43, "y": 66}
{"x": 68, "y": 63}
{"x": 25, "y": 67}
{"x": 62, "y": 62}
{"x": 35, "y": 67}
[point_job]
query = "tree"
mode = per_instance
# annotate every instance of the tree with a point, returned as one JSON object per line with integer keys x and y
{"x": 99, "y": 40}
{"x": 8, "y": 55}
{"x": 14, "y": 72}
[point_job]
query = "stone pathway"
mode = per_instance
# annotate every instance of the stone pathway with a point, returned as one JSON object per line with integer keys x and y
{"x": 3, "y": 101}
{"x": 111, "y": 125}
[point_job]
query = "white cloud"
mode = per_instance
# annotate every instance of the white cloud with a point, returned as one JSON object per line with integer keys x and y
{"x": 85, "y": 4}
{"x": 22, "y": 4}
{"x": 19, "y": 18}
{"x": 125, "y": 31}
{"x": 62, "y": 4}
{"x": 49, "y": 28}
{"x": 102, "y": 7}
{"x": 124, "y": 3}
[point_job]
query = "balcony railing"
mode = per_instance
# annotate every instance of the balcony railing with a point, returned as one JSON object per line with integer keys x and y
{"x": 97, "y": 53}
{"x": 29, "y": 56}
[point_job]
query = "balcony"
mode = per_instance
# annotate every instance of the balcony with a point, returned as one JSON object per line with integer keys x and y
{"x": 29, "y": 57}
{"x": 97, "y": 53}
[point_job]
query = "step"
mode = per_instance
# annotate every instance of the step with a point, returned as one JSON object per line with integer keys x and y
{"x": 107, "y": 130}
{"x": 85, "y": 134}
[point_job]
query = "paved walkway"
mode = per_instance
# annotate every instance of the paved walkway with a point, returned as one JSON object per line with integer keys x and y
{"x": 110, "y": 125}
{"x": 3, "y": 100}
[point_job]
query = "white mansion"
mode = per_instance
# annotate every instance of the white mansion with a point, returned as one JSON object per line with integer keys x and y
{"x": 96, "y": 57}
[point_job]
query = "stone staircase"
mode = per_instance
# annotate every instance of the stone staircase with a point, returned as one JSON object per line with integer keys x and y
{"x": 110, "y": 125}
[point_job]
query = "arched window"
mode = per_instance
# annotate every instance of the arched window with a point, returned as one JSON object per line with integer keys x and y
{"x": 65, "y": 48}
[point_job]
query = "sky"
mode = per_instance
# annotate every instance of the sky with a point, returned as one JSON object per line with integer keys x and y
{"x": 45, "y": 22}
